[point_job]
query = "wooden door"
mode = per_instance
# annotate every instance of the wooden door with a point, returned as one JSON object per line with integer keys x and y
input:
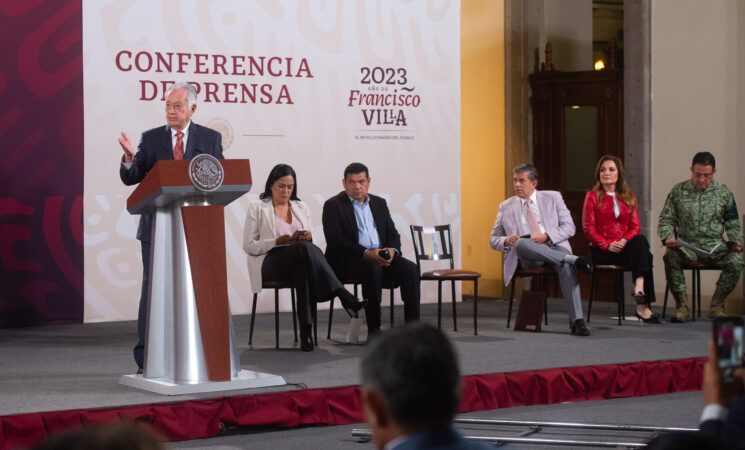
{"x": 577, "y": 118}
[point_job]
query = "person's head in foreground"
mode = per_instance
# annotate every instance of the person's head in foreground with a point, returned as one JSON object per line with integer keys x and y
{"x": 114, "y": 436}
{"x": 410, "y": 382}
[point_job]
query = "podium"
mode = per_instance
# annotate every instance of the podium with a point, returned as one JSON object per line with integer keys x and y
{"x": 190, "y": 344}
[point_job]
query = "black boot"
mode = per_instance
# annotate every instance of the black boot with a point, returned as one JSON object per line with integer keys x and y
{"x": 306, "y": 338}
{"x": 351, "y": 305}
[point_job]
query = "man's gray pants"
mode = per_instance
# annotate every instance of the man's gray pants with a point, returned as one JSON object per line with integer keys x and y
{"x": 531, "y": 254}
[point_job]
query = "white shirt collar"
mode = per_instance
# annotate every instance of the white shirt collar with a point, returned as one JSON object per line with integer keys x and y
{"x": 533, "y": 198}
{"x": 356, "y": 203}
{"x": 185, "y": 130}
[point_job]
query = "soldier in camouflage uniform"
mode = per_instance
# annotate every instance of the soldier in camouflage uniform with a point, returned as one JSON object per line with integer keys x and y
{"x": 699, "y": 211}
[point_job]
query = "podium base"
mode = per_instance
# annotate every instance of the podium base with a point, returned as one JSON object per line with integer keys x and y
{"x": 246, "y": 379}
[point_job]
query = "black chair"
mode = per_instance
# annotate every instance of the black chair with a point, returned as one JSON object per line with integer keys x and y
{"x": 439, "y": 246}
{"x": 695, "y": 267}
{"x": 541, "y": 272}
{"x": 355, "y": 282}
{"x": 277, "y": 285}
{"x": 620, "y": 294}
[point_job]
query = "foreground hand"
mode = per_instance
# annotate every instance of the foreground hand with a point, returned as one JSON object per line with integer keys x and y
{"x": 129, "y": 150}
{"x": 539, "y": 238}
{"x": 307, "y": 236}
{"x": 510, "y": 240}
{"x": 734, "y": 247}
{"x": 615, "y": 247}
{"x": 670, "y": 243}
{"x": 713, "y": 387}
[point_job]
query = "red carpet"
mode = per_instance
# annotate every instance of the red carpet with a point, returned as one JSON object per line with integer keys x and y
{"x": 339, "y": 406}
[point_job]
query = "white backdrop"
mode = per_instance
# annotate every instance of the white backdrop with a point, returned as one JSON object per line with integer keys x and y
{"x": 334, "y": 82}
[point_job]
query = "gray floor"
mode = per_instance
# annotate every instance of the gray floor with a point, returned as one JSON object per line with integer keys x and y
{"x": 78, "y": 366}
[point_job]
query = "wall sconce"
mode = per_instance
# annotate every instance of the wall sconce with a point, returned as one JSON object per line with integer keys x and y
{"x": 599, "y": 64}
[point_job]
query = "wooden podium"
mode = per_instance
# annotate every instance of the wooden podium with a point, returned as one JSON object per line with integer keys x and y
{"x": 189, "y": 344}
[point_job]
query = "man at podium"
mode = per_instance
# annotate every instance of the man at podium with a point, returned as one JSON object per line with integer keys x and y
{"x": 179, "y": 139}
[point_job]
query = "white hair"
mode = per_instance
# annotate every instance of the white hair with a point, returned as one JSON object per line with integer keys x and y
{"x": 191, "y": 91}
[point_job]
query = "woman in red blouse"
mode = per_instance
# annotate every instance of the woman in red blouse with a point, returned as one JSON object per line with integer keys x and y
{"x": 610, "y": 221}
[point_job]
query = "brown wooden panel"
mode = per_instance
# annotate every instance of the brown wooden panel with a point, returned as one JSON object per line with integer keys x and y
{"x": 204, "y": 227}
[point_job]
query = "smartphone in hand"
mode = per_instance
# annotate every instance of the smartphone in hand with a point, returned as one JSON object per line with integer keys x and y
{"x": 729, "y": 338}
{"x": 298, "y": 234}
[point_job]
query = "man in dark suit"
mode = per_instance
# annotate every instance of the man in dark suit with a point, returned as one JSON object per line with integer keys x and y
{"x": 179, "y": 139}
{"x": 362, "y": 243}
{"x": 411, "y": 390}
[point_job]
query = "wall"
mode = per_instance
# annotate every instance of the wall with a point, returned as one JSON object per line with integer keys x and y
{"x": 568, "y": 27}
{"x": 697, "y": 104}
{"x": 482, "y": 138}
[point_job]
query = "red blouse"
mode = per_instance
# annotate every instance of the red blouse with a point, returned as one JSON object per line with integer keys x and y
{"x": 600, "y": 224}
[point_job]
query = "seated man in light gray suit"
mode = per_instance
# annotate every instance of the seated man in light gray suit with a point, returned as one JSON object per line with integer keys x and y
{"x": 533, "y": 228}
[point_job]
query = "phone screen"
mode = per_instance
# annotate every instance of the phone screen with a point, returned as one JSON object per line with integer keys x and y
{"x": 729, "y": 339}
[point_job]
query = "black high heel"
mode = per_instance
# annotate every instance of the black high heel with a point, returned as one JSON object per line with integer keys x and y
{"x": 306, "y": 338}
{"x": 641, "y": 299}
{"x": 654, "y": 318}
{"x": 350, "y": 304}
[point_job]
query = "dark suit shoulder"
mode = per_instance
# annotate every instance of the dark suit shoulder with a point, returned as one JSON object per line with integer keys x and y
{"x": 155, "y": 132}
{"x": 338, "y": 198}
{"x": 375, "y": 198}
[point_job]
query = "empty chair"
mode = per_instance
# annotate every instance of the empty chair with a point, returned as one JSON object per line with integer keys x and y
{"x": 435, "y": 244}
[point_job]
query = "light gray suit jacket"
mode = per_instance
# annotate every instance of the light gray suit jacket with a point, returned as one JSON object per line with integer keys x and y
{"x": 556, "y": 218}
{"x": 259, "y": 234}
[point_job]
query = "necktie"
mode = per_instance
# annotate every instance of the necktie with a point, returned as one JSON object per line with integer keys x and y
{"x": 531, "y": 218}
{"x": 178, "y": 150}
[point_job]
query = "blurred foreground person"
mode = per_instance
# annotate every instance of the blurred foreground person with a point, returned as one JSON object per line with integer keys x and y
{"x": 411, "y": 390}
{"x": 115, "y": 436}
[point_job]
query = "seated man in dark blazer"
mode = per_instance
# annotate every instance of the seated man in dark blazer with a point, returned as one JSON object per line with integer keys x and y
{"x": 179, "y": 139}
{"x": 411, "y": 391}
{"x": 362, "y": 243}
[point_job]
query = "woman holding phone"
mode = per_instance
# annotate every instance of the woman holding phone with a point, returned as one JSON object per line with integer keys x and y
{"x": 279, "y": 244}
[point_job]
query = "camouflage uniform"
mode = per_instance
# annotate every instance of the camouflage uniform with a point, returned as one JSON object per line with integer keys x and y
{"x": 701, "y": 218}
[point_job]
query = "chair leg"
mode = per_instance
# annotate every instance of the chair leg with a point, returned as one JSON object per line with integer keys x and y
{"x": 693, "y": 294}
{"x": 512, "y": 296}
{"x": 620, "y": 298}
{"x": 253, "y": 316}
{"x": 545, "y": 302}
{"x": 331, "y": 317}
{"x": 698, "y": 291}
{"x": 455, "y": 314}
{"x": 294, "y": 313}
{"x": 439, "y": 304}
{"x": 392, "y": 290}
{"x": 475, "y": 306}
{"x": 592, "y": 291}
{"x": 664, "y": 303}
{"x": 276, "y": 318}
{"x": 314, "y": 310}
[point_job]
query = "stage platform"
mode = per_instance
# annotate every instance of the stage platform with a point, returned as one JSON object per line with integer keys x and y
{"x": 77, "y": 367}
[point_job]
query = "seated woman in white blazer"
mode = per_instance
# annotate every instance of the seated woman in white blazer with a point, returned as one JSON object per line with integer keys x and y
{"x": 279, "y": 244}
